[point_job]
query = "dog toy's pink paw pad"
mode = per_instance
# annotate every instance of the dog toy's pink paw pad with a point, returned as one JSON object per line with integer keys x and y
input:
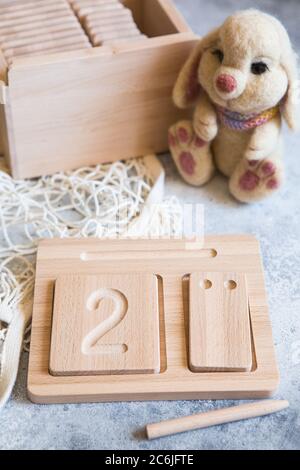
{"x": 187, "y": 162}
{"x": 255, "y": 179}
{"x": 190, "y": 153}
{"x": 273, "y": 184}
{"x": 183, "y": 135}
{"x": 268, "y": 168}
{"x": 249, "y": 181}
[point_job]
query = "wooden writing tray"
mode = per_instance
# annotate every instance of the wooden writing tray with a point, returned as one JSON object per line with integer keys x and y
{"x": 152, "y": 281}
{"x": 93, "y": 105}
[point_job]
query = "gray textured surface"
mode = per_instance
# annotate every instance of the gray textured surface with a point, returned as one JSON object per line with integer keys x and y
{"x": 276, "y": 224}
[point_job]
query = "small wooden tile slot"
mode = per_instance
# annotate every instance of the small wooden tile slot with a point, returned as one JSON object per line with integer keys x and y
{"x": 105, "y": 324}
{"x": 219, "y": 323}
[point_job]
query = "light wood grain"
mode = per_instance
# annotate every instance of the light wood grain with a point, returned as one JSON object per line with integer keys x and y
{"x": 105, "y": 324}
{"x": 219, "y": 327}
{"x": 108, "y": 24}
{"x": 99, "y": 8}
{"x": 64, "y": 48}
{"x": 21, "y": 34}
{"x": 46, "y": 34}
{"x": 63, "y": 138}
{"x": 215, "y": 417}
{"x": 21, "y": 16}
{"x": 47, "y": 45}
{"x": 171, "y": 260}
{"x": 77, "y": 4}
{"x": 107, "y": 37}
{"x": 48, "y": 28}
{"x": 61, "y": 11}
{"x": 121, "y": 26}
{"x": 29, "y": 28}
{"x": 120, "y": 87}
{"x": 20, "y": 5}
{"x": 160, "y": 17}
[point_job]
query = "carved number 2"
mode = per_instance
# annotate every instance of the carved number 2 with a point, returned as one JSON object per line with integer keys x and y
{"x": 89, "y": 344}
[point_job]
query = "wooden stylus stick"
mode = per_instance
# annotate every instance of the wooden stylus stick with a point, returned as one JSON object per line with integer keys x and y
{"x": 211, "y": 418}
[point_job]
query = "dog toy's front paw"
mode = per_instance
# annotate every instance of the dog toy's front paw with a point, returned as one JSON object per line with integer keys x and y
{"x": 255, "y": 179}
{"x": 191, "y": 154}
{"x": 205, "y": 130}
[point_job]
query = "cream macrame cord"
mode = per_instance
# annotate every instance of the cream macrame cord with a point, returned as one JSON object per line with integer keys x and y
{"x": 111, "y": 200}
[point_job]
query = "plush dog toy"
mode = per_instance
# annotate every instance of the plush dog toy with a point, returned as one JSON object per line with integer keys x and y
{"x": 241, "y": 77}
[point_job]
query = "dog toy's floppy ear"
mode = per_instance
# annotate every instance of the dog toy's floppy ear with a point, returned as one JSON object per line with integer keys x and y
{"x": 187, "y": 86}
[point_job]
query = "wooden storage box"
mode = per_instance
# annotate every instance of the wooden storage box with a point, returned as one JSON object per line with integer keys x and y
{"x": 69, "y": 109}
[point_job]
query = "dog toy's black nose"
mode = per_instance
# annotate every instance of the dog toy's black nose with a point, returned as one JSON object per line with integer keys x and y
{"x": 226, "y": 83}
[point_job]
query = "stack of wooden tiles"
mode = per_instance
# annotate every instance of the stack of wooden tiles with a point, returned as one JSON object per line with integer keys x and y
{"x": 84, "y": 82}
{"x": 106, "y": 20}
{"x": 29, "y": 28}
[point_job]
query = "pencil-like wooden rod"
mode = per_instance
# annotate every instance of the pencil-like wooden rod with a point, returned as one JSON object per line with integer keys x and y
{"x": 212, "y": 418}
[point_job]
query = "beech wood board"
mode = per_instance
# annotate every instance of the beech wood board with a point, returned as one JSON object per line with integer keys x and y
{"x": 172, "y": 262}
{"x": 89, "y": 308}
{"x": 219, "y": 323}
